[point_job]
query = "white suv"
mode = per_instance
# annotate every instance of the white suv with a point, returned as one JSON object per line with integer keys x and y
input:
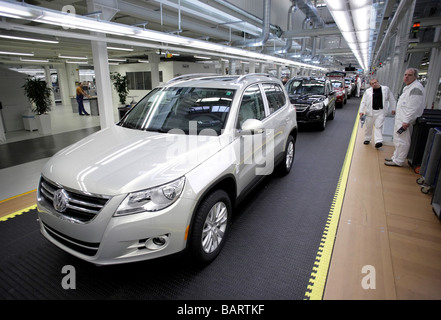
{"x": 167, "y": 177}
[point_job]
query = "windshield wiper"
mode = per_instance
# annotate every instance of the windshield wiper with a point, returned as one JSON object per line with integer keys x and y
{"x": 156, "y": 130}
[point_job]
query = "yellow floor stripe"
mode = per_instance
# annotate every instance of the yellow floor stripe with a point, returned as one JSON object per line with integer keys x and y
{"x": 319, "y": 272}
{"x": 17, "y": 213}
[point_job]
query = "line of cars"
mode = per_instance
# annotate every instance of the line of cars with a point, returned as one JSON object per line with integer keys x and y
{"x": 316, "y": 99}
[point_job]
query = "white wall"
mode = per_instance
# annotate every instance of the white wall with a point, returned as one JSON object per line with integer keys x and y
{"x": 13, "y": 99}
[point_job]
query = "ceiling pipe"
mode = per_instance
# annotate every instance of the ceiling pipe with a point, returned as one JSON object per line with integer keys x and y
{"x": 244, "y": 13}
{"x": 306, "y": 22}
{"x": 265, "y": 29}
{"x": 289, "y": 26}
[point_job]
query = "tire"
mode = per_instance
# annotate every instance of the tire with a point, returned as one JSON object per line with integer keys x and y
{"x": 332, "y": 116}
{"x": 322, "y": 124}
{"x": 288, "y": 159}
{"x": 210, "y": 227}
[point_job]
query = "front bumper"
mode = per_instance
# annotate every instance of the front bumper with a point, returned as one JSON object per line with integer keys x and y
{"x": 111, "y": 240}
{"x": 305, "y": 115}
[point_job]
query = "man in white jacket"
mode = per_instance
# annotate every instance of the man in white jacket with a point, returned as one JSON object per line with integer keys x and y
{"x": 410, "y": 106}
{"x": 374, "y": 105}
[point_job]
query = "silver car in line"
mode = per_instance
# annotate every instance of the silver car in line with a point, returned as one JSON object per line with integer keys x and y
{"x": 167, "y": 177}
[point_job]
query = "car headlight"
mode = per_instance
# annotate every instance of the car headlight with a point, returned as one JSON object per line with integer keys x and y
{"x": 316, "y": 106}
{"x": 152, "y": 199}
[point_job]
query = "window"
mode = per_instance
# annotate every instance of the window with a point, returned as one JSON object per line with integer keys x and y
{"x": 276, "y": 97}
{"x": 251, "y": 106}
{"x": 186, "y": 109}
{"x": 141, "y": 80}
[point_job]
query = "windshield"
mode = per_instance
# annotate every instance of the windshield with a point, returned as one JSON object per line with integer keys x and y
{"x": 189, "y": 110}
{"x": 303, "y": 86}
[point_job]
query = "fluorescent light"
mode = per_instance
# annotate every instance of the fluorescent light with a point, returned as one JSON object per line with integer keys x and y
{"x": 17, "y": 53}
{"x": 76, "y": 62}
{"x": 361, "y": 18}
{"x": 27, "y": 39}
{"x": 121, "y": 49}
{"x": 342, "y": 20}
{"x": 11, "y": 10}
{"x": 359, "y": 3}
{"x": 336, "y": 5}
{"x": 34, "y": 60}
{"x": 143, "y": 61}
{"x": 72, "y": 57}
{"x": 77, "y": 22}
{"x": 201, "y": 57}
{"x": 121, "y": 60}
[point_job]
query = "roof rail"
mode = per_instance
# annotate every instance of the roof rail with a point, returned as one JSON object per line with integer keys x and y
{"x": 252, "y": 75}
{"x": 192, "y": 76}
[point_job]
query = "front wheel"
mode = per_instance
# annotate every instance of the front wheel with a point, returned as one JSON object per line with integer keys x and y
{"x": 290, "y": 150}
{"x": 211, "y": 226}
{"x": 322, "y": 124}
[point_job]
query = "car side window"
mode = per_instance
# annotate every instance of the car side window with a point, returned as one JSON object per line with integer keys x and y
{"x": 275, "y": 96}
{"x": 252, "y": 106}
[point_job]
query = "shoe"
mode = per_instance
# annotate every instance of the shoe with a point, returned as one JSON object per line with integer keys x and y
{"x": 388, "y": 159}
{"x": 378, "y": 145}
{"x": 391, "y": 164}
{"x": 366, "y": 142}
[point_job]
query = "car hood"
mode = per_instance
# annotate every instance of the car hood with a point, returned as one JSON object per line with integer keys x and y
{"x": 118, "y": 160}
{"x": 305, "y": 99}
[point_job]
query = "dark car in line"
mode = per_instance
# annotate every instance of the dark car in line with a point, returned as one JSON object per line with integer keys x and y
{"x": 314, "y": 99}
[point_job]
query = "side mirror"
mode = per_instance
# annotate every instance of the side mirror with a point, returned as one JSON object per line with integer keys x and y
{"x": 252, "y": 126}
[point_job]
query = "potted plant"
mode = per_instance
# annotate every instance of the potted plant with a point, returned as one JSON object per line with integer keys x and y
{"x": 120, "y": 84}
{"x": 38, "y": 93}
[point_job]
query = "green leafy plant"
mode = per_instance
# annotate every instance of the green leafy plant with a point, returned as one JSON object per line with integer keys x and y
{"x": 120, "y": 83}
{"x": 38, "y": 93}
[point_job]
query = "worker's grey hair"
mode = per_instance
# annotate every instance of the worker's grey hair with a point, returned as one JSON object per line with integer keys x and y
{"x": 415, "y": 71}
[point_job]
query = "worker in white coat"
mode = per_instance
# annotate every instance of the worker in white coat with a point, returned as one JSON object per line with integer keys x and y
{"x": 410, "y": 106}
{"x": 376, "y": 103}
{"x": 358, "y": 86}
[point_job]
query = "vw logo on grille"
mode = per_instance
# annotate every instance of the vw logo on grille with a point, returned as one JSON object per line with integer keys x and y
{"x": 61, "y": 200}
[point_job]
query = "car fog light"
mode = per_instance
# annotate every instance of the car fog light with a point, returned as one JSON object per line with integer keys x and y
{"x": 157, "y": 243}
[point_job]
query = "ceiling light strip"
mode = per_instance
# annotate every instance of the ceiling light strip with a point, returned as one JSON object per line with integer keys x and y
{"x": 27, "y": 39}
{"x": 68, "y": 21}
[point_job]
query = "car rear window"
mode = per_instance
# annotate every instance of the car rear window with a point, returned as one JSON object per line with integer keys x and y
{"x": 306, "y": 86}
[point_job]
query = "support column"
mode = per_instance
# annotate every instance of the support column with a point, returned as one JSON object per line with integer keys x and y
{"x": 103, "y": 85}
{"x": 232, "y": 67}
{"x": 48, "y": 78}
{"x": 72, "y": 77}
{"x": 154, "y": 68}
{"x": 64, "y": 85}
{"x": 108, "y": 9}
{"x": 252, "y": 67}
{"x": 223, "y": 66}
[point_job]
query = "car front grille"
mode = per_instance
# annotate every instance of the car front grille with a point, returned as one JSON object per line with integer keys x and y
{"x": 79, "y": 207}
{"x": 301, "y": 107}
